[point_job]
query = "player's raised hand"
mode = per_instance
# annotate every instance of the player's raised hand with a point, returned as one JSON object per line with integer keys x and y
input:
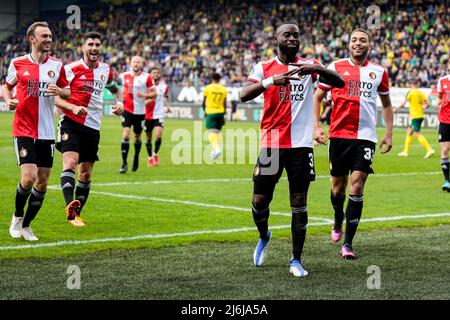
{"x": 12, "y": 104}
{"x": 79, "y": 110}
{"x": 285, "y": 77}
{"x": 320, "y": 136}
{"x": 386, "y": 144}
{"x": 307, "y": 68}
{"x": 117, "y": 109}
{"x": 54, "y": 90}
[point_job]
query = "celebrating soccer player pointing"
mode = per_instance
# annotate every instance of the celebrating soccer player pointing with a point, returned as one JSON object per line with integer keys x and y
{"x": 286, "y": 136}
{"x": 353, "y": 134}
{"x": 38, "y": 78}
{"x": 80, "y": 130}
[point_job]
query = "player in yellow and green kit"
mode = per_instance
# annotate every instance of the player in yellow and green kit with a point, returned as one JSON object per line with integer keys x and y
{"x": 214, "y": 105}
{"x": 417, "y": 101}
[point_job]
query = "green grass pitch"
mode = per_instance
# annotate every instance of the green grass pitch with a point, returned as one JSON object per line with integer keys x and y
{"x": 173, "y": 232}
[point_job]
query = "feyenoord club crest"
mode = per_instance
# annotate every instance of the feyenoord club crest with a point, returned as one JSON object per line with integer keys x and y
{"x": 23, "y": 153}
{"x": 51, "y": 74}
{"x": 372, "y": 75}
{"x": 102, "y": 77}
{"x": 303, "y": 76}
{"x": 65, "y": 136}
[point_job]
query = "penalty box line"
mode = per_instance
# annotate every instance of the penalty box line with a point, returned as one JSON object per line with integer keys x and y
{"x": 202, "y": 232}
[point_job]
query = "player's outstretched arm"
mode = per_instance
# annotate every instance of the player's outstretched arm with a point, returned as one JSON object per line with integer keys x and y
{"x": 64, "y": 105}
{"x": 319, "y": 134}
{"x": 388, "y": 114}
{"x": 251, "y": 90}
{"x": 8, "y": 96}
{"x": 54, "y": 90}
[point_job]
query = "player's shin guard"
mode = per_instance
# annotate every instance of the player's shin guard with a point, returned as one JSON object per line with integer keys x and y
{"x": 68, "y": 185}
{"x": 445, "y": 165}
{"x": 298, "y": 229}
{"x": 82, "y": 192}
{"x": 34, "y": 205}
{"x": 352, "y": 215}
{"x": 157, "y": 144}
{"x": 21, "y": 199}
{"x": 261, "y": 219}
{"x": 148, "y": 145}
{"x": 337, "y": 201}
{"x": 125, "y": 146}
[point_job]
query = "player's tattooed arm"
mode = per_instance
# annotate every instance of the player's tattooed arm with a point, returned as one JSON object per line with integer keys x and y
{"x": 118, "y": 98}
{"x": 319, "y": 134}
{"x": 8, "y": 96}
{"x": 151, "y": 94}
{"x": 327, "y": 76}
{"x": 388, "y": 114}
{"x": 64, "y": 105}
{"x": 251, "y": 90}
{"x": 54, "y": 90}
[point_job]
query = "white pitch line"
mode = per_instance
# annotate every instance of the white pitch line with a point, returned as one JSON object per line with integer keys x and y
{"x": 194, "y": 203}
{"x": 126, "y": 183}
{"x": 192, "y": 233}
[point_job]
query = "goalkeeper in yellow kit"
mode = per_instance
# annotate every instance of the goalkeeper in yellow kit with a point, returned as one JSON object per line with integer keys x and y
{"x": 214, "y": 105}
{"x": 417, "y": 101}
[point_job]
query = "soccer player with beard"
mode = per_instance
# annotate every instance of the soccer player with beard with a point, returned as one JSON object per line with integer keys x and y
{"x": 443, "y": 104}
{"x": 286, "y": 136}
{"x": 353, "y": 136}
{"x": 80, "y": 134}
{"x": 136, "y": 85}
{"x": 38, "y": 78}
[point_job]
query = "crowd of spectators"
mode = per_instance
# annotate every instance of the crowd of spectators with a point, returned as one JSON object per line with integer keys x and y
{"x": 190, "y": 39}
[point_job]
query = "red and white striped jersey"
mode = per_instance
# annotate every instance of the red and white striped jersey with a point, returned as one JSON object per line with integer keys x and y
{"x": 131, "y": 86}
{"x": 355, "y": 109}
{"x": 87, "y": 87}
{"x": 287, "y": 120}
{"x": 443, "y": 86}
{"x": 34, "y": 117}
{"x": 155, "y": 109}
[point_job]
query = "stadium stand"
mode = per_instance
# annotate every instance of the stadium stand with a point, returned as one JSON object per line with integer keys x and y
{"x": 190, "y": 39}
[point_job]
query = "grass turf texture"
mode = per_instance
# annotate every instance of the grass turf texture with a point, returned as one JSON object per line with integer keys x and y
{"x": 388, "y": 193}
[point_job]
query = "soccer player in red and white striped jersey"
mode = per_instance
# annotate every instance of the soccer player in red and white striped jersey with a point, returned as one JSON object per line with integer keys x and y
{"x": 80, "y": 133}
{"x": 443, "y": 87}
{"x": 353, "y": 136}
{"x": 154, "y": 115}
{"x": 137, "y": 87}
{"x": 287, "y": 136}
{"x": 38, "y": 78}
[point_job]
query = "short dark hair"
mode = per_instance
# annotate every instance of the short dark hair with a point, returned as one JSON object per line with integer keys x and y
{"x": 294, "y": 22}
{"x": 216, "y": 77}
{"x": 360, "y": 30}
{"x": 32, "y": 28}
{"x": 155, "y": 68}
{"x": 92, "y": 35}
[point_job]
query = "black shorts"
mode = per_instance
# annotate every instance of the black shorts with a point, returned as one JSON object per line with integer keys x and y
{"x": 348, "y": 155}
{"x": 38, "y": 152}
{"x": 150, "y": 124}
{"x": 299, "y": 164}
{"x": 444, "y": 132}
{"x": 135, "y": 120}
{"x": 78, "y": 138}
